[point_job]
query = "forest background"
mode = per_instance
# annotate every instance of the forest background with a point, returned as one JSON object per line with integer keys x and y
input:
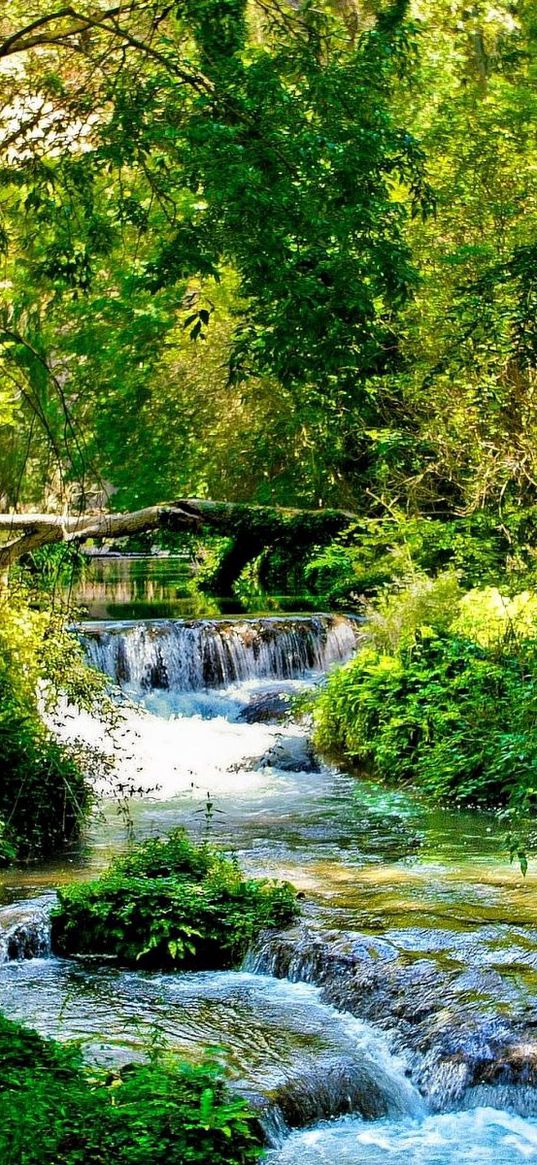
{"x": 280, "y": 254}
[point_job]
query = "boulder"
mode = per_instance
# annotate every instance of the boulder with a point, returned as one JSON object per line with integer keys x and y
{"x": 266, "y": 708}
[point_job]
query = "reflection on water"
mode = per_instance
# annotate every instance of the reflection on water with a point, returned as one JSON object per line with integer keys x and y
{"x": 279, "y": 1037}
{"x": 413, "y": 919}
{"x": 151, "y": 587}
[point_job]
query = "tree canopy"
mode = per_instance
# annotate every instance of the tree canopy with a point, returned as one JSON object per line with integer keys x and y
{"x": 270, "y": 253}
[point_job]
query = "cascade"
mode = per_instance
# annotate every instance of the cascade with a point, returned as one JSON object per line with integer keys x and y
{"x": 297, "y": 1059}
{"x": 25, "y": 930}
{"x": 212, "y": 653}
{"x": 311, "y": 1023}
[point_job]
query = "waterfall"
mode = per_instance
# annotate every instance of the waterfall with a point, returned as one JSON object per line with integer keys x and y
{"x": 25, "y": 930}
{"x": 214, "y": 653}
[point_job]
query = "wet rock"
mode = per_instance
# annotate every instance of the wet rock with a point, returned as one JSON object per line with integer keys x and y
{"x": 25, "y": 931}
{"x": 267, "y": 708}
{"x": 333, "y": 1089}
{"x": 295, "y": 1058}
{"x": 289, "y": 754}
{"x": 452, "y": 1021}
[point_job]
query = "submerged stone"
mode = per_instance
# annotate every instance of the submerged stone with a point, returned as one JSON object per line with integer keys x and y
{"x": 289, "y": 754}
{"x": 458, "y": 1038}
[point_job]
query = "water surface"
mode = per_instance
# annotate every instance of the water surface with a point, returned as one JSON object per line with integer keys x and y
{"x": 413, "y": 920}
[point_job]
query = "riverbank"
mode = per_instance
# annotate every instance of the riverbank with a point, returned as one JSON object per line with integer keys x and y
{"x": 417, "y": 938}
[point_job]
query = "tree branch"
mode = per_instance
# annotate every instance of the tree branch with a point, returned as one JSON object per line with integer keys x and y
{"x": 22, "y": 40}
{"x": 262, "y": 524}
{"x": 108, "y": 21}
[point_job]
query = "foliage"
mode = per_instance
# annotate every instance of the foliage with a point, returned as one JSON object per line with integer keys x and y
{"x": 445, "y": 716}
{"x": 170, "y": 903}
{"x": 445, "y": 698}
{"x": 491, "y": 618}
{"x": 162, "y": 196}
{"x": 44, "y": 796}
{"x": 377, "y": 551}
{"x": 173, "y": 213}
{"x": 418, "y": 604}
{"x": 54, "y": 1112}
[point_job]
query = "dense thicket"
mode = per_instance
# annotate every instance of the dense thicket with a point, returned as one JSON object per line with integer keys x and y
{"x": 443, "y": 697}
{"x": 232, "y": 174}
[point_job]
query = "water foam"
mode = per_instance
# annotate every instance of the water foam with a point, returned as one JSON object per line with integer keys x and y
{"x": 461, "y": 1138}
{"x": 215, "y": 653}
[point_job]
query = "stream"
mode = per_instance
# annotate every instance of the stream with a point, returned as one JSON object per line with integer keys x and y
{"x": 397, "y": 1021}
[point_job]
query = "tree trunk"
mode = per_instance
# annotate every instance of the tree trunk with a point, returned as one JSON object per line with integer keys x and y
{"x": 251, "y": 527}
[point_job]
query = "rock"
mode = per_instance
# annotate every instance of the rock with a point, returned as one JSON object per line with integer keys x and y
{"x": 290, "y": 754}
{"x": 267, "y": 708}
{"x": 436, "y": 1010}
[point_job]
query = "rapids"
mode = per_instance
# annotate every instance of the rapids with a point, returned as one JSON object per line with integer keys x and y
{"x": 396, "y": 1022}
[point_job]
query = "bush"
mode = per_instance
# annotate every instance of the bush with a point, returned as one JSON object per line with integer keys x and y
{"x": 170, "y": 904}
{"x": 44, "y": 796}
{"x": 375, "y": 552}
{"x": 447, "y": 715}
{"x": 444, "y": 696}
{"x": 495, "y": 620}
{"x": 53, "y": 1112}
{"x": 416, "y": 602}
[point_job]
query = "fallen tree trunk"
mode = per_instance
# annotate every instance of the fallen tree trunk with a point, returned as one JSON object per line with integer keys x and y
{"x": 251, "y": 527}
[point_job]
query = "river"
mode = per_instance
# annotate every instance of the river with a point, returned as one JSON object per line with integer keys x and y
{"x": 396, "y": 1022}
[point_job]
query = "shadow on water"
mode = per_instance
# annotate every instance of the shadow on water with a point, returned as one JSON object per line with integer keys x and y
{"x": 163, "y": 587}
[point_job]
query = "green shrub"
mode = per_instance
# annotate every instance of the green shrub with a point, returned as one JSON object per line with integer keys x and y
{"x": 44, "y": 796}
{"x": 448, "y": 715}
{"x": 416, "y": 602}
{"x": 494, "y": 619}
{"x": 170, "y": 903}
{"x": 375, "y": 552}
{"x": 54, "y": 1112}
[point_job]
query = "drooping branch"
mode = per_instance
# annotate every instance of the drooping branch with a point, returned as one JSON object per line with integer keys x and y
{"x": 44, "y": 31}
{"x": 251, "y": 527}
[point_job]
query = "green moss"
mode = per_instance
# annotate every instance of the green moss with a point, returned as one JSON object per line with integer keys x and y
{"x": 170, "y": 904}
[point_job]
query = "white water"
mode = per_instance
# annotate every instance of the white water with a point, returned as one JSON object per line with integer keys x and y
{"x": 460, "y": 1138}
{"x": 189, "y": 683}
{"x": 281, "y": 1040}
{"x": 189, "y": 656}
{"x": 181, "y": 740}
{"x": 174, "y": 744}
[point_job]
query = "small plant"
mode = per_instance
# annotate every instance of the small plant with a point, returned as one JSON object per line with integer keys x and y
{"x": 53, "y": 1111}
{"x": 170, "y": 903}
